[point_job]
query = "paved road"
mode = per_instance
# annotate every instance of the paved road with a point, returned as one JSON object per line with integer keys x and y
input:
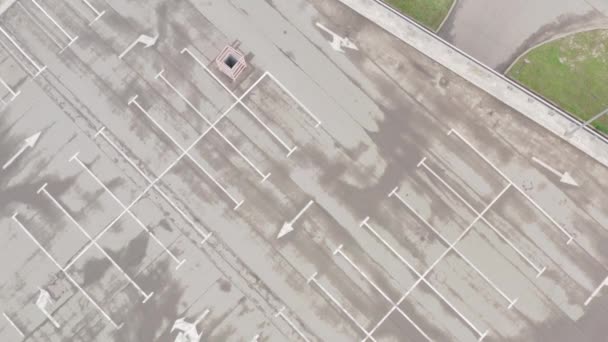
{"x": 429, "y": 220}
{"x": 497, "y": 32}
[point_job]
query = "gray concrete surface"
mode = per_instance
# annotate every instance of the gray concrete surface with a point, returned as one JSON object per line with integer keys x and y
{"x": 519, "y": 98}
{"x": 5, "y": 4}
{"x": 497, "y": 32}
{"x": 395, "y": 196}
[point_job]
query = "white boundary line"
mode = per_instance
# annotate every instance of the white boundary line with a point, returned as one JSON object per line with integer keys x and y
{"x": 462, "y": 256}
{"x": 285, "y": 89}
{"x": 73, "y": 220}
{"x": 121, "y": 204}
{"x": 375, "y": 286}
{"x": 596, "y": 291}
{"x": 23, "y": 66}
{"x": 281, "y": 85}
{"x": 290, "y": 150}
{"x": 539, "y": 270}
{"x": 37, "y": 22}
{"x": 13, "y": 324}
{"x": 208, "y": 122}
{"x": 116, "y": 326}
{"x": 97, "y": 13}
{"x": 570, "y": 237}
{"x": 159, "y": 177}
{"x": 337, "y": 303}
{"x": 293, "y": 326}
{"x": 13, "y": 93}
{"x": 480, "y": 216}
{"x": 170, "y": 85}
{"x": 237, "y": 203}
{"x": 205, "y": 235}
{"x": 70, "y": 38}
{"x": 20, "y": 49}
{"x": 421, "y": 277}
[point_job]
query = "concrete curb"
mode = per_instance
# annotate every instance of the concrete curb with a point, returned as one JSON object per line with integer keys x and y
{"x": 498, "y": 85}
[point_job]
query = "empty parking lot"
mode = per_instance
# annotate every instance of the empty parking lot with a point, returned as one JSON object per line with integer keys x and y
{"x": 335, "y": 191}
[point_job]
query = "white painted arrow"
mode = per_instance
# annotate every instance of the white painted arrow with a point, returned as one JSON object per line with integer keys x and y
{"x": 29, "y": 143}
{"x": 188, "y": 331}
{"x": 143, "y": 39}
{"x": 44, "y": 298}
{"x": 565, "y": 177}
{"x": 288, "y": 226}
{"x": 338, "y": 42}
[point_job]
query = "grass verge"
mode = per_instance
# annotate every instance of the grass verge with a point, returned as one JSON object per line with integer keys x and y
{"x": 429, "y": 13}
{"x": 571, "y": 72}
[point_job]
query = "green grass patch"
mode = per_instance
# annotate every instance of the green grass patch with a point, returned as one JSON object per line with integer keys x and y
{"x": 572, "y": 72}
{"x": 429, "y": 13}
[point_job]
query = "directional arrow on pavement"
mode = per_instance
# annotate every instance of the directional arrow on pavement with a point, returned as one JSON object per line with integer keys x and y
{"x": 147, "y": 41}
{"x": 188, "y": 331}
{"x": 44, "y": 299}
{"x": 29, "y": 143}
{"x": 338, "y": 42}
{"x": 565, "y": 177}
{"x": 288, "y": 226}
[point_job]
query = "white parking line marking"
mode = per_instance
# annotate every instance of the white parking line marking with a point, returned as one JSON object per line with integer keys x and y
{"x": 199, "y": 62}
{"x": 10, "y": 321}
{"x": 308, "y": 111}
{"x": 596, "y": 291}
{"x": 293, "y": 149}
{"x": 568, "y": 235}
{"x": 375, "y": 286}
{"x": 23, "y": 66}
{"x": 159, "y": 177}
{"x": 337, "y": 303}
{"x": 255, "y": 116}
{"x": 293, "y": 326}
{"x": 40, "y": 26}
{"x": 421, "y": 278}
{"x": 538, "y": 269}
{"x": 64, "y": 271}
{"x": 205, "y": 235}
{"x": 462, "y": 256}
{"x": 67, "y": 46}
{"x": 20, "y": 49}
{"x": 70, "y": 38}
{"x": 122, "y": 205}
{"x": 91, "y": 240}
{"x": 14, "y": 93}
{"x": 98, "y": 14}
{"x": 479, "y": 216}
{"x": 178, "y": 145}
{"x": 183, "y": 97}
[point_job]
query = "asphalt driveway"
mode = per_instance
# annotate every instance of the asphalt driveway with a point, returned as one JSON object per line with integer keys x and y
{"x": 497, "y": 32}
